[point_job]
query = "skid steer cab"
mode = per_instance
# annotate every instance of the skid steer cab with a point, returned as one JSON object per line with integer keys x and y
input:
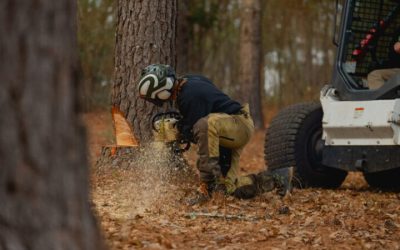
{"x": 356, "y": 124}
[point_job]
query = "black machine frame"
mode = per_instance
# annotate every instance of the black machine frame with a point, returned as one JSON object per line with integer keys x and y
{"x": 367, "y": 27}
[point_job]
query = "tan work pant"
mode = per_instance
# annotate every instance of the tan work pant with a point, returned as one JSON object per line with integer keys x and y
{"x": 230, "y": 131}
{"x": 378, "y": 77}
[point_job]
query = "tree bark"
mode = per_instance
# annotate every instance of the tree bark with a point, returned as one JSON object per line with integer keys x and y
{"x": 250, "y": 58}
{"x": 146, "y": 34}
{"x": 43, "y": 168}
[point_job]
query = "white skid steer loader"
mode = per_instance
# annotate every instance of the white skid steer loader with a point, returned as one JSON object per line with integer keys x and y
{"x": 353, "y": 127}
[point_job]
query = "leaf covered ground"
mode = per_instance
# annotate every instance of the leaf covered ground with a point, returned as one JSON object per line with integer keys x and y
{"x": 145, "y": 207}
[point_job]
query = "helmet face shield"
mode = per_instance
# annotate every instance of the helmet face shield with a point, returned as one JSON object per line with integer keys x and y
{"x": 156, "y": 102}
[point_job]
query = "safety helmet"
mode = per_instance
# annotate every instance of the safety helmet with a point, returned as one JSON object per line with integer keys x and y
{"x": 156, "y": 83}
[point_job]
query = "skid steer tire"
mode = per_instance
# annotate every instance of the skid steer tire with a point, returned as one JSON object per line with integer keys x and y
{"x": 387, "y": 180}
{"x": 293, "y": 139}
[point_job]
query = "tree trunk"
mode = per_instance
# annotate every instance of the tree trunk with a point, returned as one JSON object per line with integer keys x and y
{"x": 43, "y": 168}
{"x": 183, "y": 37}
{"x": 250, "y": 58}
{"x": 146, "y": 34}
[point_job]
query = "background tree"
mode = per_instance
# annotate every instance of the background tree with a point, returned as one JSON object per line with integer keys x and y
{"x": 44, "y": 173}
{"x": 298, "y": 49}
{"x": 183, "y": 37}
{"x": 146, "y": 34}
{"x": 250, "y": 58}
{"x": 297, "y": 53}
{"x": 214, "y": 42}
{"x": 96, "y": 39}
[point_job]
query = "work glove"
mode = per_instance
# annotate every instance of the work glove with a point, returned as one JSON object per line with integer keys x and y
{"x": 181, "y": 145}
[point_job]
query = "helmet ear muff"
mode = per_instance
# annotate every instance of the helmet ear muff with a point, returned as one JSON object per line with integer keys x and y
{"x": 164, "y": 95}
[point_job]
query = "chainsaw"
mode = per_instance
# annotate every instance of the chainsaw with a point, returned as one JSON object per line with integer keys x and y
{"x": 165, "y": 130}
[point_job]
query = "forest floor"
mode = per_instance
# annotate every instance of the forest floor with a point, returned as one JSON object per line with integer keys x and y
{"x": 145, "y": 207}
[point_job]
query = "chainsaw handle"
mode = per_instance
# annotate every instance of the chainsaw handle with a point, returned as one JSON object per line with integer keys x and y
{"x": 163, "y": 115}
{"x": 179, "y": 149}
{"x": 187, "y": 147}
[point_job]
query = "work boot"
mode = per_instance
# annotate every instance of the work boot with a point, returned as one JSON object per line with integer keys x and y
{"x": 201, "y": 196}
{"x": 246, "y": 192}
{"x": 264, "y": 182}
{"x": 206, "y": 191}
{"x": 211, "y": 178}
{"x": 218, "y": 191}
{"x": 261, "y": 183}
{"x": 283, "y": 180}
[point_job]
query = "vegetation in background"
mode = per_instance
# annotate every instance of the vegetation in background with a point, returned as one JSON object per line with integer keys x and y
{"x": 297, "y": 46}
{"x": 215, "y": 28}
{"x": 298, "y": 49}
{"x": 96, "y": 39}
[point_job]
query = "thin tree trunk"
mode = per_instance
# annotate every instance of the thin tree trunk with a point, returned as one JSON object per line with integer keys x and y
{"x": 183, "y": 37}
{"x": 146, "y": 34}
{"x": 250, "y": 58}
{"x": 43, "y": 168}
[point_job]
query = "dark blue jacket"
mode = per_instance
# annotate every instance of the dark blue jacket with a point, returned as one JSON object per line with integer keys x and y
{"x": 199, "y": 97}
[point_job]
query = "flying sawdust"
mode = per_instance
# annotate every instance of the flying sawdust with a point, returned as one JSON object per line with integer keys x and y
{"x": 154, "y": 182}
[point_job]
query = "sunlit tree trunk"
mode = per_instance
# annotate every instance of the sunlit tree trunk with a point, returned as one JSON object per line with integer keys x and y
{"x": 250, "y": 58}
{"x": 146, "y": 34}
{"x": 43, "y": 168}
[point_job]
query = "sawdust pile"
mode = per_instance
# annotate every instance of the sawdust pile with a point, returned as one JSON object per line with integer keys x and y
{"x": 351, "y": 217}
{"x": 153, "y": 181}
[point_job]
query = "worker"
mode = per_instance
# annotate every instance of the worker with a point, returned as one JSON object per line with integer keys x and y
{"x": 390, "y": 68}
{"x": 220, "y": 126}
